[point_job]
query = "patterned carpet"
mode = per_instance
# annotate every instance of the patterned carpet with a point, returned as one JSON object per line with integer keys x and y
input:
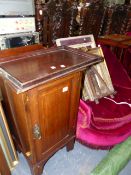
{"x": 80, "y": 161}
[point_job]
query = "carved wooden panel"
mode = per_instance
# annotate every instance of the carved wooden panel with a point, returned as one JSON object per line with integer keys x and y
{"x": 91, "y": 19}
{"x": 118, "y": 20}
{"x": 39, "y": 17}
{"x": 58, "y": 20}
{"x": 128, "y": 26}
{"x": 107, "y": 21}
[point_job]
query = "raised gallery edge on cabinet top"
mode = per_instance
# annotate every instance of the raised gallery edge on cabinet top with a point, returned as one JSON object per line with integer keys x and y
{"x": 29, "y": 70}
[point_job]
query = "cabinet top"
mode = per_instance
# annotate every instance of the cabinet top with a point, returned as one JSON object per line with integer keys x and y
{"x": 33, "y": 68}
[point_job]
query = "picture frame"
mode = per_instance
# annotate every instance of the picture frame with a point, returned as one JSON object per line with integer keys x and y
{"x": 77, "y": 41}
{"x": 100, "y": 84}
{"x": 97, "y": 81}
{"x": 6, "y": 141}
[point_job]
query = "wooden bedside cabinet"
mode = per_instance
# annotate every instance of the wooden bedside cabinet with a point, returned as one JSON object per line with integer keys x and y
{"x": 43, "y": 91}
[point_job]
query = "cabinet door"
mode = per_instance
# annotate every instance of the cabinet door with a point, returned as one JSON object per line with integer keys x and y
{"x": 54, "y": 109}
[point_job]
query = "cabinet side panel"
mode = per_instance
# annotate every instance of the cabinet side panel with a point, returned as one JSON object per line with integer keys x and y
{"x": 17, "y": 104}
{"x": 7, "y": 110}
{"x": 74, "y": 103}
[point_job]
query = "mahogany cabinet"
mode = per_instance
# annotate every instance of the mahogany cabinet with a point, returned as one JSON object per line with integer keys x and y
{"x": 41, "y": 91}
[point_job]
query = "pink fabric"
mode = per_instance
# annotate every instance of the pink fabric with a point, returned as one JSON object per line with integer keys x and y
{"x": 127, "y": 61}
{"x": 100, "y": 117}
{"x": 108, "y": 115}
{"x": 128, "y": 33}
{"x": 127, "y": 58}
{"x": 107, "y": 123}
{"x": 85, "y": 121}
{"x": 95, "y": 137}
{"x": 118, "y": 74}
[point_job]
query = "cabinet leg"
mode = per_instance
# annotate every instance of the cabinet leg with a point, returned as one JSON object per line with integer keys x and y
{"x": 37, "y": 169}
{"x": 70, "y": 145}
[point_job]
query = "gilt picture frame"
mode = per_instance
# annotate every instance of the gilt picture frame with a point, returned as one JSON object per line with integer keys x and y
{"x": 6, "y": 141}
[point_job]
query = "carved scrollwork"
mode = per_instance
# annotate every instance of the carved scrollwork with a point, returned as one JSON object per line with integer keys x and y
{"x": 73, "y": 15}
{"x": 39, "y": 17}
{"x": 128, "y": 25}
{"x": 58, "y": 20}
{"x": 91, "y": 18}
{"x": 118, "y": 20}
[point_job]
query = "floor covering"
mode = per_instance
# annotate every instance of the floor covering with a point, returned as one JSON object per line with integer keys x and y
{"x": 80, "y": 161}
